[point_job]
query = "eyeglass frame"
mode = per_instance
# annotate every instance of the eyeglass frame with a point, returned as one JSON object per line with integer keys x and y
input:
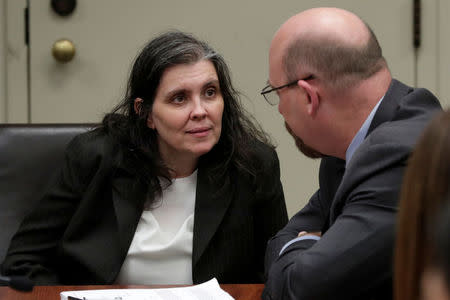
{"x": 264, "y": 92}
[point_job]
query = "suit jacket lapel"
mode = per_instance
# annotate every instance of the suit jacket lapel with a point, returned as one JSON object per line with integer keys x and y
{"x": 388, "y": 106}
{"x": 330, "y": 176}
{"x": 386, "y": 112}
{"x": 210, "y": 208}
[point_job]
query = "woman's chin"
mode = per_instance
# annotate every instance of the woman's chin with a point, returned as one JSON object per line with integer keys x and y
{"x": 201, "y": 150}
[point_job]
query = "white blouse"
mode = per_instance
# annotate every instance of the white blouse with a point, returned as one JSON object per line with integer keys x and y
{"x": 161, "y": 250}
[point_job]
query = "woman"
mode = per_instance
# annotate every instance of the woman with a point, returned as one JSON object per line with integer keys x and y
{"x": 177, "y": 186}
{"x": 425, "y": 185}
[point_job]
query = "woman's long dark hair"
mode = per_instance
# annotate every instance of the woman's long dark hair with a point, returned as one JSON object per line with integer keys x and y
{"x": 235, "y": 148}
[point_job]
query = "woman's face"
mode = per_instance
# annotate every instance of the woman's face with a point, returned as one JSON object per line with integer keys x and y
{"x": 187, "y": 110}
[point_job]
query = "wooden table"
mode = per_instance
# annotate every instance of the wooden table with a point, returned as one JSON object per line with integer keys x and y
{"x": 237, "y": 291}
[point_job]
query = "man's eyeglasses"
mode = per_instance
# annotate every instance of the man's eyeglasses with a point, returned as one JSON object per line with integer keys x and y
{"x": 272, "y": 98}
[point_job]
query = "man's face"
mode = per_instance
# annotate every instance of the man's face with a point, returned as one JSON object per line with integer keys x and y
{"x": 292, "y": 105}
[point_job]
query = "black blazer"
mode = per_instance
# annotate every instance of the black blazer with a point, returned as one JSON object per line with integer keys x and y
{"x": 355, "y": 209}
{"x": 81, "y": 230}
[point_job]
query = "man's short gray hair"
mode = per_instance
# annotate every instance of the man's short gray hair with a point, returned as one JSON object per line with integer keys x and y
{"x": 339, "y": 65}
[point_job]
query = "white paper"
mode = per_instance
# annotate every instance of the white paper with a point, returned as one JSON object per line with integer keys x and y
{"x": 206, "y": 291}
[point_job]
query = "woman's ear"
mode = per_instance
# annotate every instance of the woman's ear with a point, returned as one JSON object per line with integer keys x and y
{"x": 138, "y": 106}
{"x": 311, "y": 93}
{"x": 138, "y": 102}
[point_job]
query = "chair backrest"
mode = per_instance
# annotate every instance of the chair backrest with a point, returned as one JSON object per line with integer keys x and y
{"x": 30, "y": 154}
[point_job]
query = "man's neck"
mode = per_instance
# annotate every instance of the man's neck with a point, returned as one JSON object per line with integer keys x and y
{"x": 356, "y": 104}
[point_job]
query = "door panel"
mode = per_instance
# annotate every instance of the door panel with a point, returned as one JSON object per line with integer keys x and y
{"x": 108, "y": 33}
{"x": 433, "y": 57}
{"x": 16, "y": 62}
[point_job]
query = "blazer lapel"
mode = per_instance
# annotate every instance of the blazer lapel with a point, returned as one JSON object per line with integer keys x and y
{"x": 128, "y": 199}
{"x": 210, "y": 208}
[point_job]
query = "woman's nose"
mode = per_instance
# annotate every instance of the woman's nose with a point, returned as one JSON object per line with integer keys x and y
{"x": 198, "y": 110}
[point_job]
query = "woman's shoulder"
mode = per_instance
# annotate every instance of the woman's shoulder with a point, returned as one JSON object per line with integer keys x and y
{"x": 93, "y": 142}
{"x": 263, "y": 156}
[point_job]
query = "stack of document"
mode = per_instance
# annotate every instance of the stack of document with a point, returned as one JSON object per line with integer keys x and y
{"x": 206, "y": 291}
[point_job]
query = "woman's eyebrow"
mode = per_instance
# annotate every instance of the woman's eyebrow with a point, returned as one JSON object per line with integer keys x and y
{"x": 185, "y": 90}
{"x": 175, "y": 92}
{"x": 212, "y": 81}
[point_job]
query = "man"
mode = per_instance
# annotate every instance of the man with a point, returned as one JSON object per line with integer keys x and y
{"x": 340, "y": 103}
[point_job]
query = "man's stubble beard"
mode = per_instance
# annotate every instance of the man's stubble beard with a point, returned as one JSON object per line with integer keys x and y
{"x": 305, "y": 149}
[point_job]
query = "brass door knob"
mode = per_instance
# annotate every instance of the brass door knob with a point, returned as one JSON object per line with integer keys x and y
{"x": 63, "y": 50}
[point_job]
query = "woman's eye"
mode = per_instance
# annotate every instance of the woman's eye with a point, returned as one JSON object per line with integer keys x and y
{"x": 210, "y": 92}
{"x": 178, "y": 99}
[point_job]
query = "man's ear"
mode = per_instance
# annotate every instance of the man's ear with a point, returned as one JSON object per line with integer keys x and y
{"x": 311, "y": 93}
{"x": 138, "y": 102}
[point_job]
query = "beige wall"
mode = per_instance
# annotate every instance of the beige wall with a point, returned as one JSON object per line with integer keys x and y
{"x": 2, "y": 62}
{"x": 443, "y": 74}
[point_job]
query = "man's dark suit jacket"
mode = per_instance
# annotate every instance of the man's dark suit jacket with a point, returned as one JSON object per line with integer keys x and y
{"x": 81, "y": 230}
{"x": 355, "y": 209}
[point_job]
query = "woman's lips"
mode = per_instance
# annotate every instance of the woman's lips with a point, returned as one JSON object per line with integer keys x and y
{"x": 199, "y": 132}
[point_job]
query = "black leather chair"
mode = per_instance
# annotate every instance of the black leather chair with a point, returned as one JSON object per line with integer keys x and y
{"x": 30, "y": 154}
